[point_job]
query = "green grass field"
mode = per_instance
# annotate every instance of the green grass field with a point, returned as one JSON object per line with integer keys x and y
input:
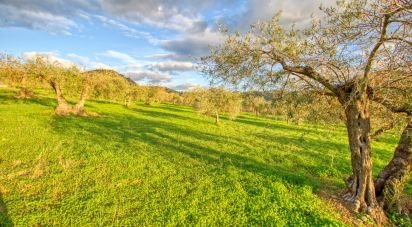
{"x": 166, "y": 165}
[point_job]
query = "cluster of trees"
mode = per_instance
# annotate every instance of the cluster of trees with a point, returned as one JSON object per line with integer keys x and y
{"x": 30, "y": 74}
{"x": 359, "y": 54}
{"x": 39, "y": 73}
{"x": 292, "y": 106}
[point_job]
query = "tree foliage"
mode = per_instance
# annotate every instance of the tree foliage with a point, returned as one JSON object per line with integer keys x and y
{"x": 215, "y": 101}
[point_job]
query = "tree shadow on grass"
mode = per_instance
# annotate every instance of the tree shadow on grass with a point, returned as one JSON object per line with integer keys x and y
{"x": 4, "y": 217}
{"x": 175, "y": 108}
{"x": 184, "y": 144}
{"x": 126, "y": 128}
{"x": 164, "y": 115}
{"x": 270, "y": 124}
{"x": 191, "y": 143}
{"x": 226, "y": 160}
{"x": 8, "y": 97}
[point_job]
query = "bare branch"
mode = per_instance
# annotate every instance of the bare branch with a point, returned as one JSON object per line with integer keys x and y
{"x": 309, "y": 72}
{"x": 407, "y": 109}
{"x": 373, "y": 52}
{"x": 399, "y": 39}
{"x": 380, "y": 131}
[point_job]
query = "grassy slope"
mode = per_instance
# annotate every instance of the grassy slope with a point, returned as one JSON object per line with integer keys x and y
{"x": 166, "y": 165}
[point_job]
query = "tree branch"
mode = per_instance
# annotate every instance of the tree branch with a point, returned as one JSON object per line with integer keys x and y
{"x": 398, "y": 39}
{"x": 310, "y": 73}
{"x": 407, "y": 109}
{"x": 381, "y": 130}
{"x": 373, "y": 52}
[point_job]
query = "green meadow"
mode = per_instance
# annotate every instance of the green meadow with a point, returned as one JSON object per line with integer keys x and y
{"x": 167, "y": 165}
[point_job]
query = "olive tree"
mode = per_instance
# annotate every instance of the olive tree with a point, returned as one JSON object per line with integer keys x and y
{"x": 108, "y": 85}
{"x": 254, "y": 103}
{"x": 215, "y": 101}
{"x": 15, "y": 73}
{"x": 157, "y": 94}
{"x": 70, "y": 81}
{"x": 57, "y": 76}
{"x": 360, "y": 52}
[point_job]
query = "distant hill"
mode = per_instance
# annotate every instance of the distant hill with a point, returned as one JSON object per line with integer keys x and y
{"x": 115, "y": 73}
{"x": 112, "y": 72}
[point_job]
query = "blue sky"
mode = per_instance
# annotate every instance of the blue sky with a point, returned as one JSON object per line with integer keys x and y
{"x": 151, "y": 41}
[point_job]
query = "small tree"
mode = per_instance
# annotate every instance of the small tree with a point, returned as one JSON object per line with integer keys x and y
{"x": 254, "y": 103}
{"x": 215, "y": 101}
{"x": 189, "y": 97}
{"x": 56, "y": 76}
{"x": 157, "y": 94}
{"x": 176, "y": 98}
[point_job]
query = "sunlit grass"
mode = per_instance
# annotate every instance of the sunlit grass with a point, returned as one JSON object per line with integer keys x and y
{"x": 167, "y": 165}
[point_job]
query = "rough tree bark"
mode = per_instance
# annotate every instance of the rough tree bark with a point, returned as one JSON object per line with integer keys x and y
{"x": 78, "y": 109}
{"x": 391, "y": 179}
{"x": 361, "y": 188}
{"x": 24, "y": 92}
{"x": 63, "y": 108}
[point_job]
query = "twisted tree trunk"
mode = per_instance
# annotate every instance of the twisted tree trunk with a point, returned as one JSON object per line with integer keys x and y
{"x": 391, "y": 180}
{"x": 63, "y": 108}
{"x": 361, "y": 188}
{"x": 78, "y": 109}
{"x": 24, "y": 92}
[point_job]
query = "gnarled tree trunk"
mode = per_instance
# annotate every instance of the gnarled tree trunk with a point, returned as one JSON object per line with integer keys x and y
{"x": 390, "y": 181}
{"x": 63, "y": 108}
{"x": 78, "y": 109}
{"x": 361, "y": 193}
{"x": 24, "y": 92}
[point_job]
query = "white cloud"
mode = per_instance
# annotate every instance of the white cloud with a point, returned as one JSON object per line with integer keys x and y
{"x": 37, "y": 20}
{"x": 149, "y": 76}
{"x": 185, "y": 86}
{"x": 170, "y": 66}
{"x": 191, "y": 46}
{"x": 120, "y": 56}
{"x": 50, "y": 57}
{"x": 128, "y": 31}
{"x": 99, "y": 65}
{"x": 87, "y": 62}
{"x": 53, "y": 16}
{"x": 79, "y": 58}
{"x": 59, "y": 16}
{"x": 293, "y": 11}
{"x": 180, "y": 15}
